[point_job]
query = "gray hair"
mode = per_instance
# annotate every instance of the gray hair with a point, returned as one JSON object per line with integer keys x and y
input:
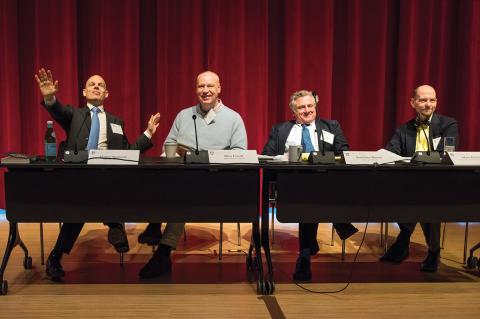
{"x": 298, "y": 95}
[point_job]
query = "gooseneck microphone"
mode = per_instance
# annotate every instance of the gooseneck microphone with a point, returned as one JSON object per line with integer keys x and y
{"x": 323, "y": 141}
{"x": 197, "y": 156}
{"x": 420, "y": 123}
{"x": 194, "y": 117}
{"x": 75, "y": 149}
{"x": 430, "y": 156}
{"x": 77, "y": 156}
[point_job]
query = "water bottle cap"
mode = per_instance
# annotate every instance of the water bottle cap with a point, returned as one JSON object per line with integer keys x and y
{"x": 49, "y": 122}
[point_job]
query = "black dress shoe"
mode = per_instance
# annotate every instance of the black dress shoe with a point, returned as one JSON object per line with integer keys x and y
{"x": 302, "y": 270}
{"x": 158, "y": 265}
{"x": 345, "y": 230}
{"x": 151, "y": 235}
{"x": 54, "y": 268}
{"x": 430, "y": 264}
{"x": 118, "y": 238}
{"x": 396, "y": 253}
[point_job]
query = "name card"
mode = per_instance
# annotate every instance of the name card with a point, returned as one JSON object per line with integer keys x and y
{"x": 113, "y": 157}
{"x": 233, "y": 157}
{"x": 464, "y": 158}
{"x": 381, "y": 156}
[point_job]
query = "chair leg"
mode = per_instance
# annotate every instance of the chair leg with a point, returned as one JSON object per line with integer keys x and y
{"x": 465, "y": 244}
{"x": 442, "y": 243}
{"x": 386, "y": 237}
{"x": 343, "y": 250}
{"x": 273, "y": 223}
{"x": 42, "y": 249}
{"x": 333, "y": 234}
{"x": 239, "y": 235}
{"x": 121, "y": 259}
{"x": 381, "y": 234}
{"x": 220, "y": 242}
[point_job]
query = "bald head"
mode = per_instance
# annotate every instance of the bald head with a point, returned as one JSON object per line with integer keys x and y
{"x": 208, "y": 88}
{"x": 424, "y": 101}
{"x": 95, "y": 91}
{"x": 422, "y": 88}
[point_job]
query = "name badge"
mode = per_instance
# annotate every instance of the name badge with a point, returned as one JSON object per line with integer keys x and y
{"x": 327, "y": 137}
{"x": 116, "y": 129}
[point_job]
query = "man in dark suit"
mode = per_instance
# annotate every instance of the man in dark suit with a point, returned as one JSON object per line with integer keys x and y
{"x": 89, "y": 127}
{"x": 409, "y": 138}
{"x": 314, "y": 135}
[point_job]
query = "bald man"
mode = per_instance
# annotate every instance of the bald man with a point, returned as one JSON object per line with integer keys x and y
{"x": 77, "y": 123}
{"x": 409, "y": 138}
{"x": 219, "y": 128}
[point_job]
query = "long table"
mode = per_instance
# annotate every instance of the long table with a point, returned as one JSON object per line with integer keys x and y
{"x": 159, "y": 191}
{"x": 368, "y": 193}
{"x": 156, "y": 190}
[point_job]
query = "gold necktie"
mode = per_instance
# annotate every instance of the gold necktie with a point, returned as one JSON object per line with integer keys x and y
{"x": 422, "y": 142}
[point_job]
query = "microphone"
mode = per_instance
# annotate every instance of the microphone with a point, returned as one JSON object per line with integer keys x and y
{"x": 323, "y": 141}
{"x": 77, "y": 156}
{"x": 200, "y": 157}
{"x": 431, "y": 157}
{"x": 321, "y": 157}
{"x": 194, "y": 117}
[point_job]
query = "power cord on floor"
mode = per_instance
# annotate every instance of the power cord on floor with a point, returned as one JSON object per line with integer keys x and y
{"x": 349, "y": 276}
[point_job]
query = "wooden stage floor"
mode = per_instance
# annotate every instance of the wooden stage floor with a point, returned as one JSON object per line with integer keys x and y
{"x": 201, "y": 286}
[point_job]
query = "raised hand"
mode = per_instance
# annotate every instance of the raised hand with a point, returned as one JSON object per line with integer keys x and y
{"x": 153, "y": 123}
{"x": 47, "y": 86}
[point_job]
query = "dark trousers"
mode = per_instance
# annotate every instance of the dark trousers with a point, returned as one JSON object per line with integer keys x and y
{"x": 431, "y": 231}
{"x": 69, "y": 234}
{"x": 307, "y": 235}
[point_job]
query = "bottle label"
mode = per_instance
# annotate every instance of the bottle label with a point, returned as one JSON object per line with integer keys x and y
{"x": 53, "y": 133}
{"x": 50, "y": 149}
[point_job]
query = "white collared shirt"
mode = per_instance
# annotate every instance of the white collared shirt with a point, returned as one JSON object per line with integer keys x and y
{"x": 295, "y": 136}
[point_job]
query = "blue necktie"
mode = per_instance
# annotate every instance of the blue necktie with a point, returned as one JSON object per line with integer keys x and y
{"x": 94, "y": 130}
{"x": 306, "y": 140}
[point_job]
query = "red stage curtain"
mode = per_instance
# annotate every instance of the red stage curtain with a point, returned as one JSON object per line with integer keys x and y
{"x": 362, "y": 57}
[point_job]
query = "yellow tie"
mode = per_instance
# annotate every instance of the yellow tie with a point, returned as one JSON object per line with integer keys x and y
{"x": 422, "y": 142}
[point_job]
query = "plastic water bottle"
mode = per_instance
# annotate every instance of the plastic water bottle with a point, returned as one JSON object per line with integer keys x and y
{"x": 50, "y": 143}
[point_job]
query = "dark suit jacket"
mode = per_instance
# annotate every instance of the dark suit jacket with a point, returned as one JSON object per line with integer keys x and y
{"x": 404, "y": 140}
{"x": 76, "y": 123}
{"x": 279, "y": 134}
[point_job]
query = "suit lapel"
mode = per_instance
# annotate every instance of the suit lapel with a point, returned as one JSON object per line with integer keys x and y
{"x": 282, "y": 137}
{"x": 410, "y": 139}
{"x": 85, "y": 130}
{"x": 109, "y": 127}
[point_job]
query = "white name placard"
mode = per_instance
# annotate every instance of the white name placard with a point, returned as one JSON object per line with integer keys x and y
{"x": 381, "y": 156}
{"x": 233, "y": 157}
{"x": 113, "y": 157}
{"x": 465, "y": 158}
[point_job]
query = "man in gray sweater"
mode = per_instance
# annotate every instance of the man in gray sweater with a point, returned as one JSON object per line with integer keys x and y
{"x": 218, "y": 127}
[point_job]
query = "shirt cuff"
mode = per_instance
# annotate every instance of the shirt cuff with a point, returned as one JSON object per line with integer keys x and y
{"x": 50, "y": 103}
{"x": 147, "y": 134}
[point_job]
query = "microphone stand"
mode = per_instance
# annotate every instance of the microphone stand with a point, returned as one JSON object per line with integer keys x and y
{"x": 198, "y": 157}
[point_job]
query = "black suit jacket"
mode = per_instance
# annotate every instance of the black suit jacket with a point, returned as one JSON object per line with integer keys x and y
{"x": 76, "y": 123}
{"x": 279, "y": 134}
{"x": 403, "y": 141}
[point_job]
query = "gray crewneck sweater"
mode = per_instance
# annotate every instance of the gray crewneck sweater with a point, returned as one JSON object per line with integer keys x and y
{"x": 226, "y": 131}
